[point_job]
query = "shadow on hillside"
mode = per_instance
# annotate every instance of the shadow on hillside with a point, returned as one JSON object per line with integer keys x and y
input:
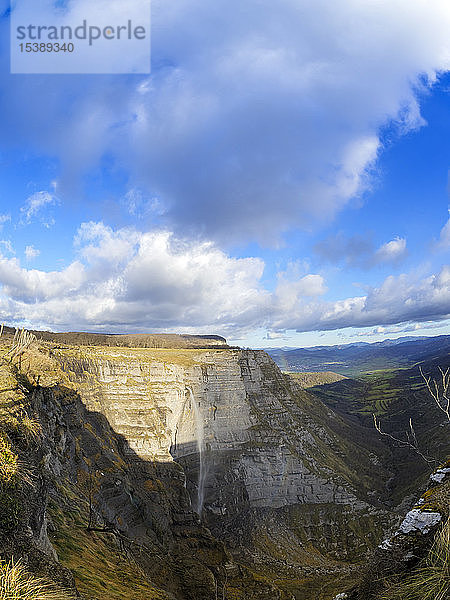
{"x": 396, "y": 396}
{"x": 144, "y": 507}
{"x": 141, "y": 506}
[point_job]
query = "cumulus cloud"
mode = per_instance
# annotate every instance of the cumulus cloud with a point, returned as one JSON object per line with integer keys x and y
{"x": 35, "y": 205}
{"x": 24, "y": 286}
{"x": 398, "y": 299}
{"x": 139, "y": 280}
{"x": 255, "y": 120}
{"x": 291, "y": 289}
{"x": 392, "y": 251}
{"x": 31, "y": 253}
{"x": 359, "y": 251}
{"x": 155, "y": 281}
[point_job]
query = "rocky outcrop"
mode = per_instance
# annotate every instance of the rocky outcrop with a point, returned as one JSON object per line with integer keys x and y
{"x": 401, "y": 555}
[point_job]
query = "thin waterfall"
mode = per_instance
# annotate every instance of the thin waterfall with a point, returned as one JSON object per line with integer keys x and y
{"x": 200, "y": 434}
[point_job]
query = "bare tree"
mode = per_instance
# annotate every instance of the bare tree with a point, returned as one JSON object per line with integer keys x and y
{"x": 439, "y": 389}
{"x": 410, "y": 442}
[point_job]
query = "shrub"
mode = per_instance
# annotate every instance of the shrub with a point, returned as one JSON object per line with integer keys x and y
{"x": 11, "y": 510}
{"x": 17, "y": 584}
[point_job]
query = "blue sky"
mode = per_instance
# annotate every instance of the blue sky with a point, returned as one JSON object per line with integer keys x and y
{"x": 281, "y": 178}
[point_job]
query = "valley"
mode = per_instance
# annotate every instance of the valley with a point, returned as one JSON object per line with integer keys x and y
{"x": 359, "y": 358}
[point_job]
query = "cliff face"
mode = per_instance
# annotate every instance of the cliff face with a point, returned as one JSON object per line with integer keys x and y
{"x": 215, "y": 407}
{"x": 254, "y": 448}
{"x": 139, "y": 442}
{"x": 92, "y": 512}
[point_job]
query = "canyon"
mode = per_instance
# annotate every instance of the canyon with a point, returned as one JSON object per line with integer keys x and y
{"x": 202, "y": 466}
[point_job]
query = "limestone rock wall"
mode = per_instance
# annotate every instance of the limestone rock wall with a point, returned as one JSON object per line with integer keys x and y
{"x": 259, "y": 447}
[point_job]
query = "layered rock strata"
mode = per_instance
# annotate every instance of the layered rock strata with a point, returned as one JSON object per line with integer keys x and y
{"x": 247, "y": 437}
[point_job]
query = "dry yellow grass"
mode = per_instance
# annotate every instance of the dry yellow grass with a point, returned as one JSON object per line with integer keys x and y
{"x": 431, "y": 580}
{"x": 9, "y": 464}
{"x": 30, "y": 428}
{"x": 17, "y": 584}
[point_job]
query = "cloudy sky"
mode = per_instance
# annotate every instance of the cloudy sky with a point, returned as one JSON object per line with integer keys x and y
{"x": 281, "y": 177}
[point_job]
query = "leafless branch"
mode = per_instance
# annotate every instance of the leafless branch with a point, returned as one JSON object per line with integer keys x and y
{"x": 439, "y": 390}
{"x": 22, "y": 340}
{"x": 410, "y": 442}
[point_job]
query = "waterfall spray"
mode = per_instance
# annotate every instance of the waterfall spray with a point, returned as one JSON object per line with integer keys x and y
{"x": 200, "y": 433}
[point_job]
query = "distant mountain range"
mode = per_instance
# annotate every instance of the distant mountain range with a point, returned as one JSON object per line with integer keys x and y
{"x": 360, "y": 357}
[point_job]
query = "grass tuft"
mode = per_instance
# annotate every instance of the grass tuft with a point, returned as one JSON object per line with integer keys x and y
{"x": 9, "y": 464}
{"x": 17, "y": 584}
{"x": 30, "y": 428}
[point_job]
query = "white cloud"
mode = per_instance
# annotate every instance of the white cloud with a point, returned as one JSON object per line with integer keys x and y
{"x": 403, "y": 328}
{"x": 254, "y": 120}
{"x": 35, "y": 204}
{"x": 31, "y": 252}
{"x": 444, "y": 238}
{"x": 290, "y": 292}
{"x": 134, "y": 281}
{"x": 392, "y": 251}
{"x": 23, "y": 286}
{"x": 134, "y": 201}
{"x": 104, "y": 248}
{"x": 398, "y": 299}
{"x": 7, "y": 246}
{"x": 273, "y": 335}
{"x": 138, "y": 280}
{"x": 4, "y": 219}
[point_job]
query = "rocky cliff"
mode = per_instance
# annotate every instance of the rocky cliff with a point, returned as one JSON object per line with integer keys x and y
{"x": 257, "y": 452}
{"x": 144, "y": 447}
{"x": 87, "y": 512}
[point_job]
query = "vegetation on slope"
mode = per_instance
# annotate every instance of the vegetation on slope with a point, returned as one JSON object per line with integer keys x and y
{"x": 312, "y": 378}
{"x": 413, "y": 564}
{"x": 16, "y": 583}
{"x": 431, "y": 579}
{"x": 144, "y": 340}
{"x": 395, "y": 397}
{"x": 94, "y": 558}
